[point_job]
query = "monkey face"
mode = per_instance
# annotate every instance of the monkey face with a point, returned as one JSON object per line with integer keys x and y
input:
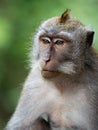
{"x": 55, "y": 50}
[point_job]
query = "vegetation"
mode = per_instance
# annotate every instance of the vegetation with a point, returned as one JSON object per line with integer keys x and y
{"x": 18, "y": 22}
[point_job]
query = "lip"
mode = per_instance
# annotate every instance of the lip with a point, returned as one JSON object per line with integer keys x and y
{"x": 52, "y": 71}
{"x": 49, "y": 73}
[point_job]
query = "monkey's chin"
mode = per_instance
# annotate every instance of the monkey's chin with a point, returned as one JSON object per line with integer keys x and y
{"x": 49, "y": 74}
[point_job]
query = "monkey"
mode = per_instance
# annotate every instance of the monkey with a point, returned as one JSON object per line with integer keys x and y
{"x": 63, "y": 79}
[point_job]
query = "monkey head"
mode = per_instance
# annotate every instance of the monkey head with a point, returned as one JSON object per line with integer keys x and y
{"x": 61, "y": 45}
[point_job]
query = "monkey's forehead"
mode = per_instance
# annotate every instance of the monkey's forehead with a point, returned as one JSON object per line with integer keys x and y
{"x": 70, "y": 24}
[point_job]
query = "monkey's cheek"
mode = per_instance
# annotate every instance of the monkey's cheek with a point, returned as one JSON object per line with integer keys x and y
{"x": 49, "y": 74}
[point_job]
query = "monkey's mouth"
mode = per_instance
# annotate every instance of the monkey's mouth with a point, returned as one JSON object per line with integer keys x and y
{"x": 49, "y": 73}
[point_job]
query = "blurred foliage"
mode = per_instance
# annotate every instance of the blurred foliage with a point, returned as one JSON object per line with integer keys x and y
{"x": 18, "y": 22}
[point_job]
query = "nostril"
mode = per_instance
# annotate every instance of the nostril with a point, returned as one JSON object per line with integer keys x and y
{"x": 47, "y": 60}
{"x": 45, "y": 63}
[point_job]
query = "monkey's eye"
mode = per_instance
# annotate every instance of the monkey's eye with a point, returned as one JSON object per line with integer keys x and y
{"x": 59, "y": 41}
{"x": 45, "y": 40}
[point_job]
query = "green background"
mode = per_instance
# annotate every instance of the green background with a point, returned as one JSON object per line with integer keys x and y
{"x": 18, "y": 22}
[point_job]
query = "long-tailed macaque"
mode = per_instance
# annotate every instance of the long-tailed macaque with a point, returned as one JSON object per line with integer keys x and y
{"x": 63, "y": 80}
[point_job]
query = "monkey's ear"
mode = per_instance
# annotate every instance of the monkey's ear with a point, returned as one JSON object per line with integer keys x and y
{"x": 89, "y": 38}
{"x": 65, "y": 16}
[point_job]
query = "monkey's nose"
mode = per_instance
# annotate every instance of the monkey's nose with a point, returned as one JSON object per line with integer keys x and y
{"x": 47, "y": 58}
{"x": 45, "y": 61}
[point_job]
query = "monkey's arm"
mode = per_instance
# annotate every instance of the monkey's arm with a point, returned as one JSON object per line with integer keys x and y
{"x": 33, "y": 103}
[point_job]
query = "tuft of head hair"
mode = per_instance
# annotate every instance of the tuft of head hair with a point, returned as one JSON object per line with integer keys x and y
{"x": 65, "y": 16}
